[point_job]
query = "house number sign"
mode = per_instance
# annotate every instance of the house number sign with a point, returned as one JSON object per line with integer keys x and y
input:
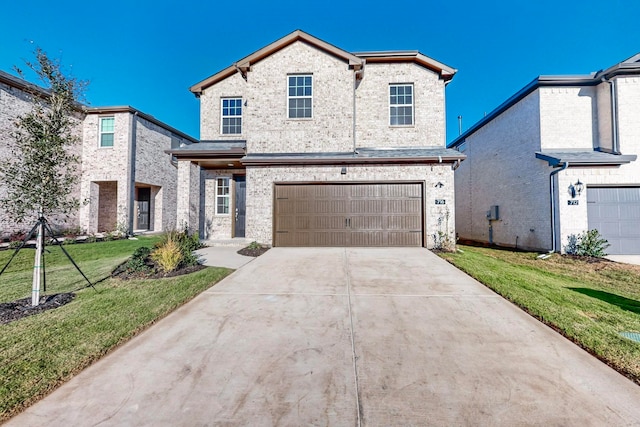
{"x": 441, "y": 202}
{"x": 572, "y": 202}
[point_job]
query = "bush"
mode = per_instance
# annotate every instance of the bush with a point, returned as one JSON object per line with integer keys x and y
{"x": 138, "y": 261}
{"x": 186, "y": 241}
{"x": 588, "y": 243}
{"x": 168, "y": 256}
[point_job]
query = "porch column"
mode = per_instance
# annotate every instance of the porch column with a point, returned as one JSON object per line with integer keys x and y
{"x": 188, "y": 203}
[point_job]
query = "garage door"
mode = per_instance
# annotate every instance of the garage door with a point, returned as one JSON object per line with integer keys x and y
{"x": 348, "y": 215}
{"x": 615, "y": 213}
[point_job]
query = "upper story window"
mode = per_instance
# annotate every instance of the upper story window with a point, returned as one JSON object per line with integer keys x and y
{"x": 401, "y": 104}
{"x": 107, "y": 130}
{"x": 300, "y": 96}
{"x": 222, "y": 196}
{"x": 231, "y": 116}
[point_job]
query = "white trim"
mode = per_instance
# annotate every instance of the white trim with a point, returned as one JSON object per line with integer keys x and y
{"x": 227, "y": 196}
{"x": 101, "y": 132}
{"x": 412, "y": 105}
{"x": 290, "y": 97}
{"x": 222, "y": 116}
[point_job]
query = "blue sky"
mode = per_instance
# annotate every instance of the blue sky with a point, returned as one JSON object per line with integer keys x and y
{"x": 147, "y": 53}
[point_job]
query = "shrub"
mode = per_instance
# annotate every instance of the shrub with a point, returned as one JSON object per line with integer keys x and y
{"x": 186, "y": 241}
{"x": 587, "y": 243}
{"x": 138, "y": 261}
{"x": 168, "y": 255}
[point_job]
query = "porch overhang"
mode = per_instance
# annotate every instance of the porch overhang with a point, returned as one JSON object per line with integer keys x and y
{"x": 426, "y": 155}
{"x": 584, "y": 158}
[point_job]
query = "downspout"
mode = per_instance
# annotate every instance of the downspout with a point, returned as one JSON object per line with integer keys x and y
{"x": 357, "y": 73}
{"x": 552, "y": 188}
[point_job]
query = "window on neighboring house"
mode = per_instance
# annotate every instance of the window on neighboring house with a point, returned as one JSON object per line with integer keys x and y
{"x": 401, "y": 105}
{"x": 231, "y": 116}
{"x": 222, "y": 196}
{"x": 107, "y": 129}
{"x": 300, "y": 96}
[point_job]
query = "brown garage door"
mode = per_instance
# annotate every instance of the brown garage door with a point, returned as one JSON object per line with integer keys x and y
{"x": 348, "y": 215}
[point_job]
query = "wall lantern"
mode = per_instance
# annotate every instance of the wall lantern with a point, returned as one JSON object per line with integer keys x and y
{"x": 576, "y": 189}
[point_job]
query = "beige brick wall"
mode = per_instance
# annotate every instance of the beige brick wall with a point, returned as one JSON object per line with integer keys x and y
{"x": 105, "y": 164}
{"x": 266, "y": 125}
{"x": 189, "y": 197}
{"x": 154, "y": 168}
{"x": 501, "y": 169}
{"x": 568, "y": 117}
{"x": 373, "y": 129}
{"x": 437, "y": 217}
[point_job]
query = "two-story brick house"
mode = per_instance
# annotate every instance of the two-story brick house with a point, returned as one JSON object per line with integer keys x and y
{"x": 127, "y": 180}
{"x": 557, "y": 158}
{"x": 305, "y": 144}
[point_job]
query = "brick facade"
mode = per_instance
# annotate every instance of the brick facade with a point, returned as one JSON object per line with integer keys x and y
{"x": 350, "y": 109}
{"x": 502, "y": 169}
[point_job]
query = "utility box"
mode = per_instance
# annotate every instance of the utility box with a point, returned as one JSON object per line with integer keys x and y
{"x": 493, "y": 214}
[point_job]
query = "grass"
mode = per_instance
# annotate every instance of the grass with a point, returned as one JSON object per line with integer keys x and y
{"x": 590, "y": 301}
{"x": 40, "y": 352}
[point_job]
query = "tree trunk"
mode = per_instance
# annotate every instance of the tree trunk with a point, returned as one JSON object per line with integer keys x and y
{"x": 37, "y": 266}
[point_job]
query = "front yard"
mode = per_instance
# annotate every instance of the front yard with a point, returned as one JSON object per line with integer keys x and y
{"x": 590, "y": 301}
{"x": 40, "y": 352}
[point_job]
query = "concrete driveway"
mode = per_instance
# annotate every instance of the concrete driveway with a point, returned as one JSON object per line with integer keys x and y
{"x": 345, "y": 337}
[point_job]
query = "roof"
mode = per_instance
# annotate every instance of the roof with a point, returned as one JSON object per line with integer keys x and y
{"x": 131, "y": 110}
{"x": 206, "y": 149}
{"x": 583, "y": 158}
{"x": 629, "y": 66}
{"x": 415, "y": 155}
{"x": 446, "y": 72}
{"x": 355, "y": 60}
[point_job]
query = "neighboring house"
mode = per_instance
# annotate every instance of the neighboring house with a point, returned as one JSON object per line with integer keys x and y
{"x": 305, "y": 144}
{"x": 127, "y": 182}
{"x": 558, "y": 158}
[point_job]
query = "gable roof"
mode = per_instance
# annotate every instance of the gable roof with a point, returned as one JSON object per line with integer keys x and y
{"x": 446, "y": 72}
{"x": 245, "y": 63}
{"x": 626, "y": 67}
{"x": 355, "y": 60}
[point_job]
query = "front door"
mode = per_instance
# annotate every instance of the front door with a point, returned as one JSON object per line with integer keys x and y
{"x": 240, "y": 204}
{"x": 144, "y": 200}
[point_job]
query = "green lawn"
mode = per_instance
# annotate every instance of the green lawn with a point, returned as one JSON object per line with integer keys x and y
{"x": 40, "y": 352}
{"x": 588, "y": 302}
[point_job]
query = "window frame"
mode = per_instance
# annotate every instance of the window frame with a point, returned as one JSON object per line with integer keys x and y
{"x": 222, "y": 116}
{"x": 412, "y": 104}
{"x": 291, "y": 97}
{"x": 101, "y": 131}
{"x": 226, "y": 196}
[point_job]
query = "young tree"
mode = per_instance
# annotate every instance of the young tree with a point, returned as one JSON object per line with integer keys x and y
{"x": 40, "y": 173}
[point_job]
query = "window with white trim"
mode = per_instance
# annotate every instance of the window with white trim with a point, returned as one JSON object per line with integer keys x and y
{"x": 107, "y": 131}
{"x": 231, "y": 116}
{"x": 300, "y": 96}
{"x": 401, "y": 104}
{"x": 222, "y": 196}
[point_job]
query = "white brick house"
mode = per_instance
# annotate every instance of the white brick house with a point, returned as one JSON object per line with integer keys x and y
{"x": 127, "y": 179}
{"x": 305, "y": 144}
{"x": 532, "y": 155}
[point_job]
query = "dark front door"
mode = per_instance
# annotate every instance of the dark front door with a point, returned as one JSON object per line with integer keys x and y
{"x": 144, "y": 200}
{"x": 240, "y": 203}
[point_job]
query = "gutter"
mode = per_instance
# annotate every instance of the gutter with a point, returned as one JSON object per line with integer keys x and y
{"x": 552, "y": 189}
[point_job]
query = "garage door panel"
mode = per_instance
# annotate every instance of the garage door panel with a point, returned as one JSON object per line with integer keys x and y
{"x": 615, "y": 213}
{"x": 348, "y": 215}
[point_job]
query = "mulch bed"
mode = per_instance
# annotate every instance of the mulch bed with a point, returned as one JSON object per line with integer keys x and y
{"x": 15, "y": 310}
{"x": 121, "y": 272}
{"x": 253, "y": 251}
